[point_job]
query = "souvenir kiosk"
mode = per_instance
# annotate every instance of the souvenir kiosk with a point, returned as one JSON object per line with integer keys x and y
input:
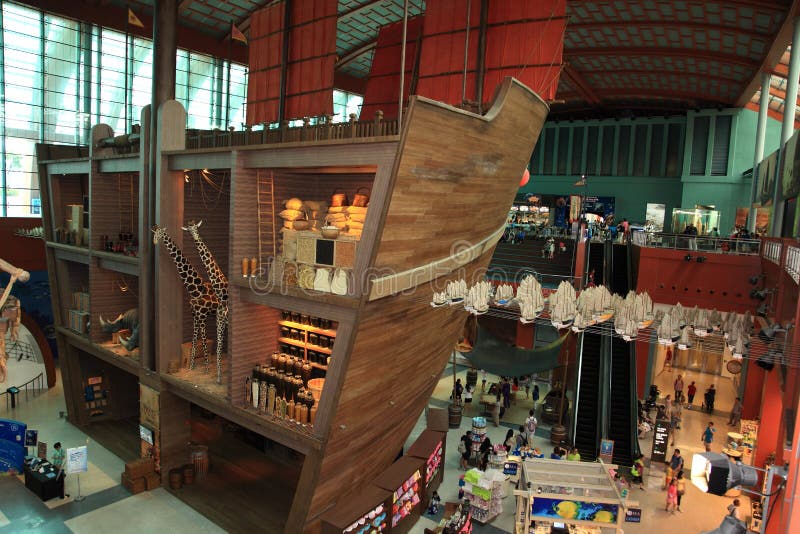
{"x": 430, "y": 446}
{"x": 571, "y": 497}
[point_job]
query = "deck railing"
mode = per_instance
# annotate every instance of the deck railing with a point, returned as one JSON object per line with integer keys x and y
{"x": 793, "y": 263}
{"x": 323, "y": 129}
{"x": 722, "y": 245}
{"x": 27, "y": 387}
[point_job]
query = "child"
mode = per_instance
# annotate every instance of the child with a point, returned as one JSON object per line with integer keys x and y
{"x": 436, "y": 502}
{"x": 672, "y": 496}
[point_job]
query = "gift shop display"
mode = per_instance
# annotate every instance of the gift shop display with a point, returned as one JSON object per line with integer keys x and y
{"x": 478, "y": 434}
{"x": 484, "y": 489}
{"x": 459, "y": 522}
{"x": 430, "y": 446}
{"x": 404, "y": 479}
{"x": 365, "y": 513}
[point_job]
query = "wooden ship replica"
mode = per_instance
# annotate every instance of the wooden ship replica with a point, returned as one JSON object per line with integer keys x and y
{"x": 331, "y": 349}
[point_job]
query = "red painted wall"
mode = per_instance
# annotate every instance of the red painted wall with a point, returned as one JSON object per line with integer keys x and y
{"x": 753, "y": 391}
{"x": 768, "y": 430}
{"x": 720, "y": 282}
{"x": 23, "y": 252}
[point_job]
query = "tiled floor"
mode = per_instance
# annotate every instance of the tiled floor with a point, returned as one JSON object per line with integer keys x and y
{"x": 112, "y": 507}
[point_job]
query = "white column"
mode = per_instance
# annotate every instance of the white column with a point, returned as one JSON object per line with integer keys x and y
{"x": 761, "y": 131}
{"x": 789, "y": 108}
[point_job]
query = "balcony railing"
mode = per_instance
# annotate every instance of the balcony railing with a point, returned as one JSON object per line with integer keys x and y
{"x": 720, "y": 245}
{"x": 772, "y": 251}
{"x": 323, "y": 130}
{"x": 793, "y": 263}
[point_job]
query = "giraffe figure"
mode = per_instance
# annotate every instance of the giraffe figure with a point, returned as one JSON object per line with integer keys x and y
{"x": 202, "y": 299}
{"x": 219, "y": 283}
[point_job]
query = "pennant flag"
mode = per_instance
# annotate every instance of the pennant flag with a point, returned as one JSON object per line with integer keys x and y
{"x": 133, "y": 20}
{"x": 237, "y": 34}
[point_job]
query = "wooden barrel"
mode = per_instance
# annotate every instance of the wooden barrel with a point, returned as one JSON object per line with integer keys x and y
{"x": 175, "y": 478}
{"x": 558, "y": 433}
{"x": 200, "y": 461}
{"x": 188, "y": 474}
{"x": 472, "y": 377}
{"x": 455, "y": 411}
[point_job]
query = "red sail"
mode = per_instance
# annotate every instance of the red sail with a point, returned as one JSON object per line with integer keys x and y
{"x": 525, "y": 40}
{"x": 266, "y": 46}
{"x": 312, "y": 57}
{"x": 441, "y": 64}
{"x": 383, "y": 84}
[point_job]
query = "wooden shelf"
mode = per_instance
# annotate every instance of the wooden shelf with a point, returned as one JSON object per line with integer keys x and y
{"x": 304, "y": 345}
{"x": 130, "y": 364}
{"x": 120, "y": 263}
{"x": 318, "y": 366}
{"x": 69, "y": 252}
{"x": 308, "y": 328}
{"x": 278, "y": 296}
{"x": 116, "y": 256}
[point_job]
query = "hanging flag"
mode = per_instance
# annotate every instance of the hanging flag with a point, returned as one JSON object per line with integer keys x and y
{"x": 133, "y": 20}
{"x": 237, "y": 34}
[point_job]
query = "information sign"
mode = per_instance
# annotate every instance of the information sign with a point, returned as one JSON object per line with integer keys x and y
{"x": 660, "y": 441}
{"x": 77, "y": 460}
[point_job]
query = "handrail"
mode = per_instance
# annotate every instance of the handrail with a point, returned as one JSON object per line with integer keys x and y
{"x": 25, "y": 386}
{"x": 721, "y": 245}
{"x": 323, "y": 130}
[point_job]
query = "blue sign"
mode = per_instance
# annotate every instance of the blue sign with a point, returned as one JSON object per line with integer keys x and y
{"x": 12, "y": 444}
{"x": 606, "y": 446}
{"x": 510, "y": 468}
{"x": 633, "y": 515}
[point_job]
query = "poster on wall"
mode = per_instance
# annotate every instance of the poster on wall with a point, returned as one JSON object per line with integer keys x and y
{"x": 766, "y": 178}
{"x": 790, "y": 177}
{"x": 654, "y": 217}
{"x": 741, "y": 217}
{"x": 574, "y": 510}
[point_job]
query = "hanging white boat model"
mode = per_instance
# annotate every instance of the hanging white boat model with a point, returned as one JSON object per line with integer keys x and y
{"x": 480, "y": 297}
{"x": 631, "y": 329}
{"x": 620, "y": 321}
{"x": 680, "y": 314}
{"x": 530, "y": 299}
{"x": 456, "y": 291}
{"x": 664, "y": 331}
{"x": 603, "y": 309}
{"x": 580, "y": 323}
{"x": 439, "y": 299}
{"x": 715, "y": 320}
{"x": 562, "y": 314}
{"x": 504, "y": 295}
{"x": 701, "y": 326}
{"x": 685, "y": 341}
{"x": 728, "y": 324}
{"x": 740, "y": 350}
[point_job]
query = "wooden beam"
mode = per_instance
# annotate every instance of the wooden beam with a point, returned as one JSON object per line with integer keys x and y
{"x": 579, "y": 83}
{"x": 355, "y": 53}
{"x": 773, "y": 56}
{"x": 658, "y": 51}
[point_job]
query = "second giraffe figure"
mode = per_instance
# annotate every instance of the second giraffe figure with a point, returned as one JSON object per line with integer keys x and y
{"x": 202, "y": 299}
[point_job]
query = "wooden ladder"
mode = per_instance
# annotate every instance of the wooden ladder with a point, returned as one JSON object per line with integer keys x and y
{"x": 267, "y": 248}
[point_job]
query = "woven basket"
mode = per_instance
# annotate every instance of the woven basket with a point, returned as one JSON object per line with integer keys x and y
{"x": 360, "y": 200}
{"x": 338, "y": 199}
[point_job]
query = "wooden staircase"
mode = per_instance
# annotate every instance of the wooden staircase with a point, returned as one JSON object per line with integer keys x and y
{"x": 511, "y": 262}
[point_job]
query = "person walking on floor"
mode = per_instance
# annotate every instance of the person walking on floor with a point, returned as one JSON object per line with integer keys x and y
{"x": 467, "y": 398}
{"x": 510, "y": 440}
{"x": 522, "y": 439}
{"x": 672, "y": 496}
{"x": 674, "y": 465}
{"x": 680, "y": 483}
{"x": 535, "y": 393}
{"x": 58, "y": 464}
{"x": 483, "y": 453}
{"x": 465, "y": 449}
{"x": 458, "y": 389}
{"x": 483, "y": 380}
{"x": 495, "y": 410}
{"x": 708, "y": 436}
{"x": 710, "y": 396}
{"x": 505, "y": 388}
{"x": 678, "y": 385}
{"x": 736, "y": 412}
{"x": 637, "y": 470}
{"x": 530, "y": 425}
{"x": 525, "y": 382}
{"x": 733, "y": 509}
{"x": 691, "y": 391}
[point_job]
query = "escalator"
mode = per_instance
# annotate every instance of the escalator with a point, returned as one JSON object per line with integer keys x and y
{"x": 619, "y": 273}
{"x": 587, "y": 410}
{"x": 622, "y": 399}
{"x": 596, "y": 261}
{"x": 622, "y": 408}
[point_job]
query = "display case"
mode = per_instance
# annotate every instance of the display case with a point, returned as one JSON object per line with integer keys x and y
{"x": 485, "y": 491}
{"x": 404, "y": 479}
{"x": 367, "y": 512}
{"x": 430, "y": 446}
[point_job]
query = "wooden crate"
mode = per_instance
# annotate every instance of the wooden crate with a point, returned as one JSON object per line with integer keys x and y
{"x": 78, "y": 321}
{"x": 152, "y": 481}
{"x": 134, "y": 485}
{"x": 140, "y": 468}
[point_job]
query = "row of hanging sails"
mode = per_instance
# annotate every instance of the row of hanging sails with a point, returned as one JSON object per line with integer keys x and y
{"x": 678, "y": 326}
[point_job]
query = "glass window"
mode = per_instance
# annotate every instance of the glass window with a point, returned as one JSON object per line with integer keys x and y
{"x": 607, "y": 156}
{"x": 640, "y": 150}
{"x": 549, "y": 149}
{"x": 563, "y": 150}
{"x": 577, "y": 150}
{"x": 675, "y": 150}
{"x": 657, "y": 150}
{"x": 624, "y": 150}
{"x": 722, "y": 142}
{"x": 699, "y": 145}
{"x": 591, "y": 149}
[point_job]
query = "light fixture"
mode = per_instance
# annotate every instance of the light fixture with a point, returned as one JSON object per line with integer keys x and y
{"x": 715, "y": 473}
{"x": 767, "y": 335}
{"x": 581, "y": 182}
{"x": 762, "y": 310}
{"x": 688, "y": 257}
{"x": 700, "y": 259}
